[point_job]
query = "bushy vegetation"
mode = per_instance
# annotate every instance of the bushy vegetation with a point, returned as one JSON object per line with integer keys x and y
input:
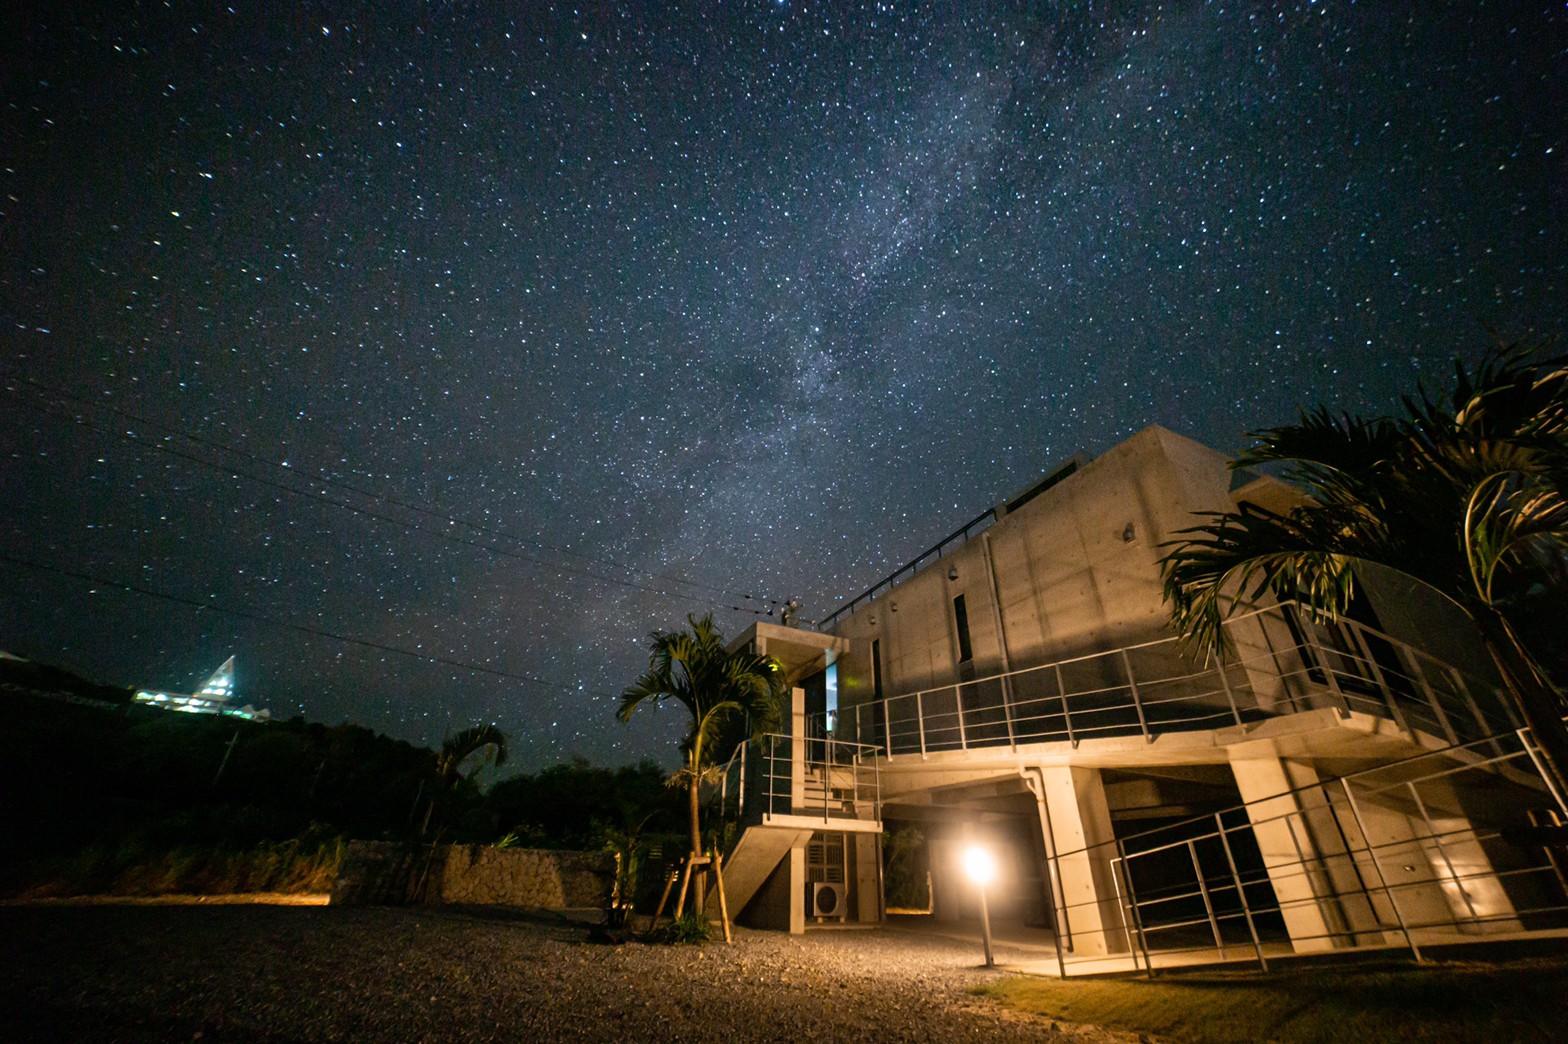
{"x": 308, "y": 863}
{"x": 106, "y": 797}
{"x": 630, "y": 811}
{"x": 570, "y": 805}
{"x": 27, "y": 676}
{"x": 139, "y": 801}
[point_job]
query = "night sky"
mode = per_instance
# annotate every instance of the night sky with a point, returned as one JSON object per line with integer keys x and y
{"x": 503, "y": 335}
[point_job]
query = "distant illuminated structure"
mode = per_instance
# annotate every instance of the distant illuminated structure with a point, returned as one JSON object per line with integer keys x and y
{"x": 213, "y": 697}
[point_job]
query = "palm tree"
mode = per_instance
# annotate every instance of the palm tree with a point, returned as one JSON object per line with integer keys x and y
{"x": 1465, "y": 496}
{"x": 476, "y": 747}
{"x": 729, "y": 695}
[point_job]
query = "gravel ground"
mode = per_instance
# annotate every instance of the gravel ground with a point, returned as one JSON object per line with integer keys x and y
{"x": 252, "y": 973}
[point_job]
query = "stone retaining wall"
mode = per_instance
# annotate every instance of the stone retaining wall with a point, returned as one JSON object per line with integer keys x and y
{"x": 380, "y": 873}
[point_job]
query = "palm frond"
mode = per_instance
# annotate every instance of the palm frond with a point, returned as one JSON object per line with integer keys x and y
{"x": 486, "y": 740}
{"x": 1515, "y": 392}
{"x": 1327, "y": 453}
{"x": 721, "y": 690}
{"x": 1512, "y": 522}
{"x": 1235, "y": 559}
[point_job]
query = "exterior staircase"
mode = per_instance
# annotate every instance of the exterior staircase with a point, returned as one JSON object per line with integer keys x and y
{"x": 779, "y": 792}
{"x": 754, "y": 858}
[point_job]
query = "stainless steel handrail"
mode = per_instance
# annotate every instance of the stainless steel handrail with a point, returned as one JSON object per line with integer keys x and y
{"x": 1416, "y": 690}
{"x": 1493, "y": 878}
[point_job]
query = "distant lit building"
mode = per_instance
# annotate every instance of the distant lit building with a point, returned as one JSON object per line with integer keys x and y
{"x": 214, "y": 697}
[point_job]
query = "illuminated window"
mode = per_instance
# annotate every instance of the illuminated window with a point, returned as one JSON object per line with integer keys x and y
{"x": 830, "y": 685}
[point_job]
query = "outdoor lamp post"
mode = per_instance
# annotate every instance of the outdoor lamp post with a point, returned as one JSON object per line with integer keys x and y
{"x": 980, "y": 865}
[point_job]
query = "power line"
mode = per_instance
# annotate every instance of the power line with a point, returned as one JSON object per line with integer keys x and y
{"x": 323, "y": 498}
{"x": 322, "y": 476}
{"x": 408, "y": 524}
{"x": 250, "y": 614}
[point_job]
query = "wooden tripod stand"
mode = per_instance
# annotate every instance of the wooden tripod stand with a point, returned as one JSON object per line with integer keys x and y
{"x": 712, "y": 865}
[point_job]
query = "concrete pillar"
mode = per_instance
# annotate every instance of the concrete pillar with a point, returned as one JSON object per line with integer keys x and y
{"x": 1264, "y": 649}
{"x": 797, "y": 891}
{"x": 1440, "y": 875}
{"x": 1467, "y": 867}
{"x": 865, "y": 871}
{"x": 1084, "y": 842}
{"x": 1417, "y": 861}
{"x": 797, "y": 750}
{"x": 1314, "y": 879}
{"x": 946, "y": 853}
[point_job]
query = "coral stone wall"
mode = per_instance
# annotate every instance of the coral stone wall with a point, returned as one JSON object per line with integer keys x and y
{"x": 380, "y": 873}
{"x": 522, "y": 877}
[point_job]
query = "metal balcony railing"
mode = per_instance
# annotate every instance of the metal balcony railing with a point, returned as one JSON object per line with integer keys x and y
{"x": 1457, "y": 844}
{"x": 826, "y": 779}
{"x": 1281, "y": 661}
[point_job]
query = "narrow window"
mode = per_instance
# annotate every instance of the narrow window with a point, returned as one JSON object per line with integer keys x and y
{"x": 830, "y": 701}
{"x": 961, "y": 619}
{"x": 878, "y": 708}
{"x": 876, "y": 668}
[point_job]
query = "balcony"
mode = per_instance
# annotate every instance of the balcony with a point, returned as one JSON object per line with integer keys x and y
{"x": 1280, "y": 661}
{"x": 823, "y": 784}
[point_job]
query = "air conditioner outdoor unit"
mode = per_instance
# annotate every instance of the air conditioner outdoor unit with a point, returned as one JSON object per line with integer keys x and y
{"x": 828, "y": 900}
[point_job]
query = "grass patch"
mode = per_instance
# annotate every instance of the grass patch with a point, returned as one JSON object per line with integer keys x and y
{"x": 1459, "y": 1001}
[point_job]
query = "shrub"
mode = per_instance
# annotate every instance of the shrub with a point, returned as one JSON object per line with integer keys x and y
{"x": 308, "y": 863}
{"x": 689, "y": 927}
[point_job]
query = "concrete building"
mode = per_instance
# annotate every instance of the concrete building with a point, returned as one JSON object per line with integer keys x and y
{"x": 1018, "y": 684}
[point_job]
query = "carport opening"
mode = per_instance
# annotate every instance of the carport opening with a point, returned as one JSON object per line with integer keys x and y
{"x": 1190, "y": 882}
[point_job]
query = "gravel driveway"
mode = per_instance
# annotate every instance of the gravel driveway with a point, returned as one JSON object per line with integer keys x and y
{"x": 247, "y": 973}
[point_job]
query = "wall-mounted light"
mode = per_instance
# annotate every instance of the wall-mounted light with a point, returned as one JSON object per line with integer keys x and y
{"x": 952, "y": 572}
{"x": 892, "y": 607}
{"x": 1129, "y": 534}
{"x": 873, "y": 619}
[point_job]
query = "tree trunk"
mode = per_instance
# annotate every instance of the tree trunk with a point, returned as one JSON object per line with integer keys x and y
{"x": 1538, "y": 702}
{"x": 696, "y": 842}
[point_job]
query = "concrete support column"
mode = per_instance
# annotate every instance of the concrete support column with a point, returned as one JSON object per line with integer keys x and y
{"x": 866, "y": 872}
{"x": 1440, "y": 875}
{"x": 1270, "y": 664}
{"x": 1397, "y": 842}
{"x": 1467, "y": 866}
{"x": 1085, "y": 845}
{"x": 946, "y": 853}
{"x": 1417, "y": 863}
{"x": 797, "y": 750}
{"x": 1314, "y": 878}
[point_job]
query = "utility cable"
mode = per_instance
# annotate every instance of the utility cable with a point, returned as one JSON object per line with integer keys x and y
{"x": 325, "y": 479}
{"x": 408, "y": 524}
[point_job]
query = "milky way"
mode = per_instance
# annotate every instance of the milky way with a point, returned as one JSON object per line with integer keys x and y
{"x": 503, "y": 339}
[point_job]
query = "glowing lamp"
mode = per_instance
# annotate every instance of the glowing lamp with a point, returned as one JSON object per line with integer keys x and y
{"x": 980, "y": 865}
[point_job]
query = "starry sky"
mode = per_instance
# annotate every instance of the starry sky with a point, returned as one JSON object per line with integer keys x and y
{"x": 425, "y": 357}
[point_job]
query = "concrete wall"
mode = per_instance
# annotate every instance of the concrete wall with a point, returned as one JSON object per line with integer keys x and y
{"x": 1055, "y": 578}
{"x": 381, "y": 873}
